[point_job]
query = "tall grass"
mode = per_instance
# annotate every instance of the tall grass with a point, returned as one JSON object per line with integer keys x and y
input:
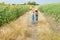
{"x": 11, "y": 12}
{"x": 51, "y": 10}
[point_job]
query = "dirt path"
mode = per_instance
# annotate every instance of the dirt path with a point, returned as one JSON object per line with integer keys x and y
{"x": 22, "y": 29}
{"x": 33, "y": 30}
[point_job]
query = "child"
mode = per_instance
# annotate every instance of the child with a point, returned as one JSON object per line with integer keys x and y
{"x": 36, "y": 13}
{"x": 33, "y": 18}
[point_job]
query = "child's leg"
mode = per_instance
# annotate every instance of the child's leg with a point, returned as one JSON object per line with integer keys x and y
{"x": 32, "y": 19}
{"x": 36, "y": 18}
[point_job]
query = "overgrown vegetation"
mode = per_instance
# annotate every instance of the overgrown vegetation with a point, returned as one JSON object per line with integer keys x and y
{"x": 11, "y": 12}
{"x": 51, "y": 10}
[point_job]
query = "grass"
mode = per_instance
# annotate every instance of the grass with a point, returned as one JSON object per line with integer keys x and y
{"x": 52, "y": 10}
{"x": 11, "y": 12}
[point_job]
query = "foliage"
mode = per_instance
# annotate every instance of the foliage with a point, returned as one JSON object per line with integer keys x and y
{"x": 32, "y": 3}
{"x": 51, "y": 10}
{"x": 11, "y": 12}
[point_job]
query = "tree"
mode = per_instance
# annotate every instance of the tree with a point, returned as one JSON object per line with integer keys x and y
{"x": 32, "y": 3}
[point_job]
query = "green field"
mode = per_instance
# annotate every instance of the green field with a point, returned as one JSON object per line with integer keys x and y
{"x": 11, "y": 12}
{"x": 51, "y": 10}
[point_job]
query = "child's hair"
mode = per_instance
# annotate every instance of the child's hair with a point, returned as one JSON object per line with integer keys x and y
{"x": 36, "y": 10}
